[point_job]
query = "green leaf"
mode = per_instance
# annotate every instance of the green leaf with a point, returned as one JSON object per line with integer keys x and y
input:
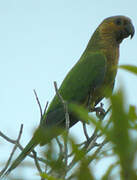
{"x": 120, "y": 136}
{"x": 119, "y": 131}
{"x": 83, "y": 115}
{"x": 84, "y": 171}
{"x": 79, "y": 111}
{"x": 47, "y": 177}
{"x": 132, "y": 113}
{"x": 129, "y": 68}
{"x": 106, "y": 176}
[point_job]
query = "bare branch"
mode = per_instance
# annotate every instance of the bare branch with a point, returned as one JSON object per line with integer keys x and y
{"x": 37, "y": 99}
{"x": 14, "y": 149}
{"x": 37, "y": 163}
{"x": 46, "y": 107}
{"x": 98, "y": 150}
{"x": 73, "y": 162}
{"x": 60, "y": 145}
{"x": 20, "y": 146}
{"x": 64, "y": 103}
{"x": 85, "y": 130}
{"x": 108, "y": 110}
{"x": 58, "y": 94}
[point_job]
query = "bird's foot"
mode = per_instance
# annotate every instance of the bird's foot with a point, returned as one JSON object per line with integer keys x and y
{"x": 100, "y": 111}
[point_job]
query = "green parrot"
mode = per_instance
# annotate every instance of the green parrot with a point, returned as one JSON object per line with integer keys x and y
{"x": 93, "y": 76}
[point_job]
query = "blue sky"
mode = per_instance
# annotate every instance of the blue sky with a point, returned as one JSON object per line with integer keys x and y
{"x": 39, "y": 43}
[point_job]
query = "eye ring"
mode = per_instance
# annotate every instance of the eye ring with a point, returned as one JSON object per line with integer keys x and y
{"x": 118, "y": 22}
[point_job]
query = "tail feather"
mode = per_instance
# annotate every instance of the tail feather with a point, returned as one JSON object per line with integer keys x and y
{"x": 29, "y": 147}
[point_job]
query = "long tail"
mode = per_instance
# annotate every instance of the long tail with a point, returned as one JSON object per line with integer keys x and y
{"x": 29, "y": 147}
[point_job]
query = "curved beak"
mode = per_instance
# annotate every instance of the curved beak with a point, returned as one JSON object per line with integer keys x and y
{"x": 130, "y": 30}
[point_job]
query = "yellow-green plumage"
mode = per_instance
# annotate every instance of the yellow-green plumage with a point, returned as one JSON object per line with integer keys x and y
{"x": 93, "y": 75}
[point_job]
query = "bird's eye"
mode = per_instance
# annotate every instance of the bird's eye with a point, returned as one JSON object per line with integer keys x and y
{"x": 118, "y": 22}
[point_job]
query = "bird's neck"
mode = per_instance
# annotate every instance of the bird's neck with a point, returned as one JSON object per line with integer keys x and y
{"x": 106, "y": 44}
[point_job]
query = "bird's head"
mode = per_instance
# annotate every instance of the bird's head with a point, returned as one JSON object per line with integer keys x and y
{"x": 119, "y": 27}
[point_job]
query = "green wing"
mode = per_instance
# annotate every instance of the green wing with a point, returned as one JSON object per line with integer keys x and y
{"x": 87, "y": 74}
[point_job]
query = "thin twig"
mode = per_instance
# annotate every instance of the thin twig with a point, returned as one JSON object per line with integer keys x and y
{"x": 74, "y": 161}
{"x": 58, "y": 94}
{"x": 7, "y": 138}
{"x": 45, "y": 109}
{"x": 60, "y": 145}
{"x": 92, "y": 144}
{"x": 20, "y": 146}
{"x": 37, "y": 163}
{"x": 110, "y": 107}
{"x": 97, "y": 151}
{"x": 85, "y": 131}
{"x": 64, "y": 103}
{"x": 37, "y": 99}
{"x": 13, "y": 151}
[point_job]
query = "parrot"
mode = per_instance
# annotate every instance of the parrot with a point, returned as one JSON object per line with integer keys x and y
{"x": 92, "y": 77}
